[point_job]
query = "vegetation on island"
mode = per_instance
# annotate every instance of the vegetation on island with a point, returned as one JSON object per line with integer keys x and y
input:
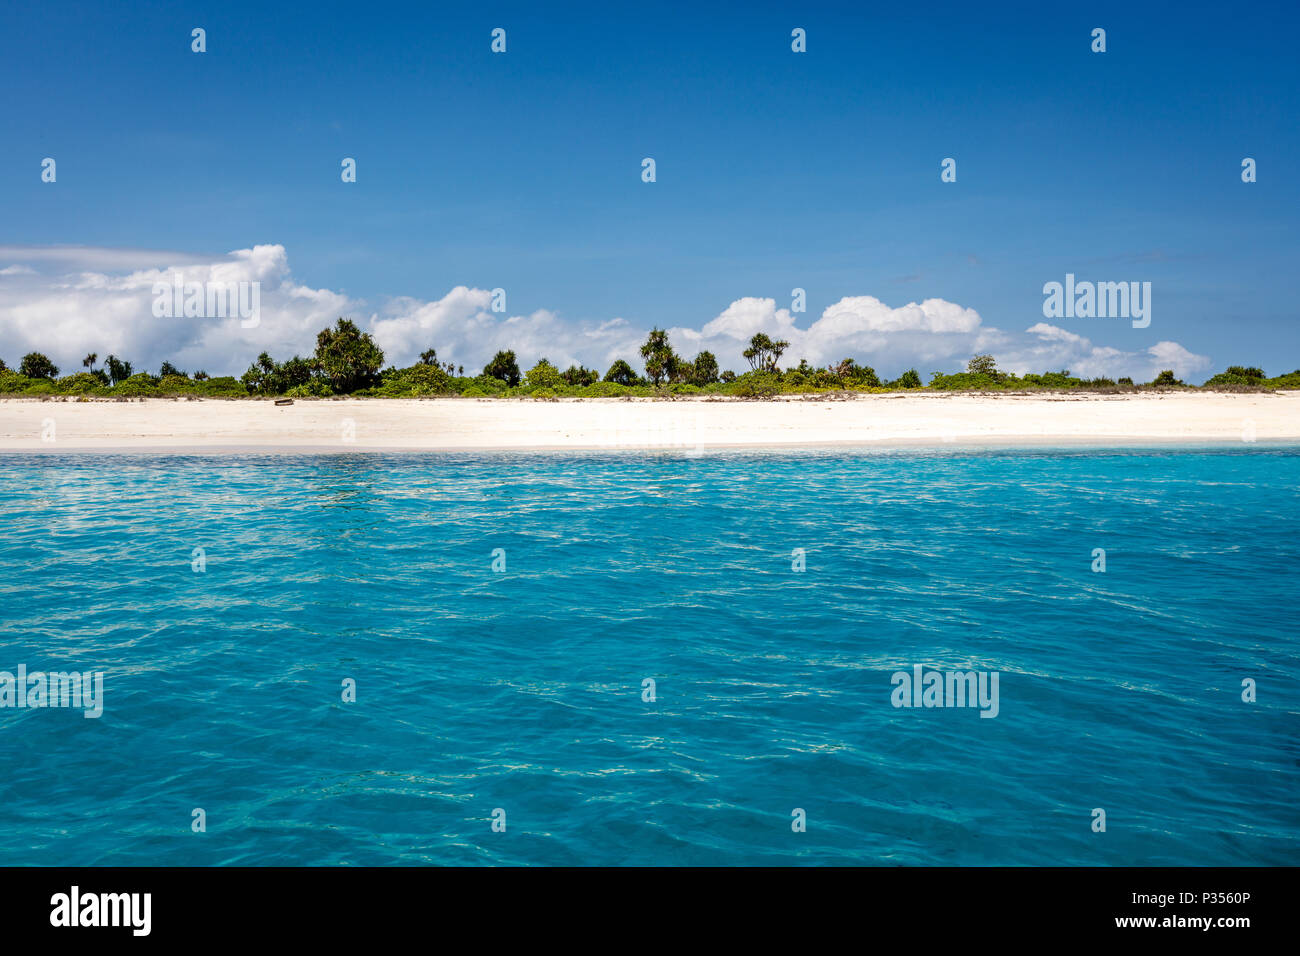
{"x": 347, "y": 361}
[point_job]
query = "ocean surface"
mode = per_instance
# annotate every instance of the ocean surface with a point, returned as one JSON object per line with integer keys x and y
{"x": 519, "y": 692}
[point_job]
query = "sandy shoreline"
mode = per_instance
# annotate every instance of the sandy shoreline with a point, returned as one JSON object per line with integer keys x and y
{"x": 882, "y": 420}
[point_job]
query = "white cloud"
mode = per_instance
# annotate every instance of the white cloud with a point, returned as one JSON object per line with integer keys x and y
{"x": 91, "y": 310}
{"x": 857, "y": 326}
{"x": 1052, "y": 348}
{"x": 100, "y": 300}
{"x": 1173, "y": 356}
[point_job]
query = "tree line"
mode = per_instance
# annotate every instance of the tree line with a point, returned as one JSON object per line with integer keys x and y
{"x": 347, "y": 361}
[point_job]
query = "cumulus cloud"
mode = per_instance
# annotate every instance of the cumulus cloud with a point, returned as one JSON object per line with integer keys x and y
{"x": 464, "y": 329}
{"x": 104, "y": 304}
{"x": 857, "y": 326}
{"x": 1051, "y": 348}
{"x": 933, "y": 335}
{"x": 68, "y": 301}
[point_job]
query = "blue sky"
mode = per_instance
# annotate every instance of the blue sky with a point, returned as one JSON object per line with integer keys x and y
{"x": 775, "y": 170}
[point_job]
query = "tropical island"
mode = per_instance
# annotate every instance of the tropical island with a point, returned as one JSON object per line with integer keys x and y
{"x": 348, "y": 363}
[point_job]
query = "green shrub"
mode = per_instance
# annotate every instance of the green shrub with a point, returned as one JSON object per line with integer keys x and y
{"x": 11, "y": 383}
{"x": 1061, "y": 379}
{"x": 964, "y": 381}
{"x": 82, "y": 383}
{"x": 603, "y": 390}
{"x": 140, "y": 385}
{"x": 544, "y": 375}
{"x": 849, "y": 374}
{"x": 1251, "y": 372}
{"x": 578, "y": 375}
{"x": 224, "y": 386}
{"x": 313, "y": 388}
{"x": 1237, "y": 375}
{"x": 620, "y": 373}
{"x": 175, "y": 384}
{"x": 793, "y": 383}
{"x": 759, "y": 384}
{"x": 414, "y": 382}
{"x": 493, "y": 386}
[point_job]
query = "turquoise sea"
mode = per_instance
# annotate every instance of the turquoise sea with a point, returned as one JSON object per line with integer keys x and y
{"x": 514, "y": 679}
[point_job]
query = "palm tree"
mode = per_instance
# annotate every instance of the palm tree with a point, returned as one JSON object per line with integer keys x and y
{"x": 763, "y": 353}
{"x": 89, "y": 360}
{"x": 660, "y": 359}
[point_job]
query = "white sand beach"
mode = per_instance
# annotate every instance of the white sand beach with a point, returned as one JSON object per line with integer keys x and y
{"x": 483, "y": 424}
